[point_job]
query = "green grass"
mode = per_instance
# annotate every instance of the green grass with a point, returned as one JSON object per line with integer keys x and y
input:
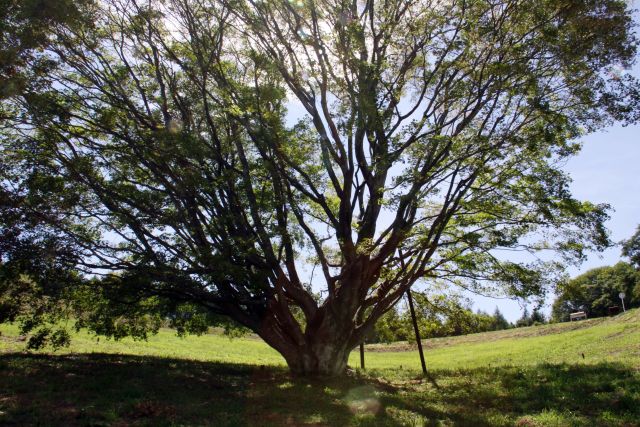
{"x": 592, "y": 341}
{"x": 527, "y": 377}
{"x": 210, "y": 347}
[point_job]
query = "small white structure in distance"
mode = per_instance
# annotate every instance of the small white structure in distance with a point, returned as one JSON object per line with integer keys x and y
{"x": 578, "y": 315}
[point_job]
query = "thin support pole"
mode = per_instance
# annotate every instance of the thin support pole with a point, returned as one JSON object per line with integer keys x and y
{"x": 362, "y": 355}
{"x": 415, "y": 329}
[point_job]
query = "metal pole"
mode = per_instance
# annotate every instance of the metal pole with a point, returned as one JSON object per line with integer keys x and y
{"x": 624, "y": 310}
{"x": 362, "y": 355}
{"x": 415, "y": 329}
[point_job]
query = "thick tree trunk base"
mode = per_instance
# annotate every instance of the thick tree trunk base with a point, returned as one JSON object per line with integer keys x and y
{"x": 326, "y": 361}
{"x": 322, "y": 350}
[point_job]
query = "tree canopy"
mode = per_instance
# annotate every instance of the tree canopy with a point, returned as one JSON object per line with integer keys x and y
{"x": 631, "y": 249}
{"x": 597, "y": 290}
{"x": 298, "y": 165}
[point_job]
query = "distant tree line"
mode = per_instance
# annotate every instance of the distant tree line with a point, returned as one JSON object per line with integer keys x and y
{"x": 438, "y": 315}
{"x": 536, "y": 317}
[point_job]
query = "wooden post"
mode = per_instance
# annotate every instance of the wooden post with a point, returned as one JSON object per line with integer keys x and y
{"x": 362, "y": 355}
{"x": 415, "y": 329}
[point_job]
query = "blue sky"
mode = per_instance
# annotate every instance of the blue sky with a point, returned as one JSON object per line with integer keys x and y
{"x": 607, "y": 170}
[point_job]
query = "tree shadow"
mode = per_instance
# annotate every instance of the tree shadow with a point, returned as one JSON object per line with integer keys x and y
{"x": 107, "y": 389}
{"x": 581, "y": 394}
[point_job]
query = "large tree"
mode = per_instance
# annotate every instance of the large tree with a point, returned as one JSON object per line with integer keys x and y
{"x": 299, "y": 165}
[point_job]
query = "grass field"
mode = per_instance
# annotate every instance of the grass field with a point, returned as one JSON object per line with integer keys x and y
{"x": 583, "y": 373}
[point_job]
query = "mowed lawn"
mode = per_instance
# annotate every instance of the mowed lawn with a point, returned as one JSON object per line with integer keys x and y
{"x": 583, "y": 373}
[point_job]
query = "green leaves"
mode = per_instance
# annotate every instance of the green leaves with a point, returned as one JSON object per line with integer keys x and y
{"x": 631, "y": 249}
{"x": 205, "y": 157}
{"x": 597, "y": 290}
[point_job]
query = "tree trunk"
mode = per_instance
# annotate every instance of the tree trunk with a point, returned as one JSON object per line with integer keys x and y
{"x": 321, "y": 359}
{"x": 330, "y": 333}
{"x": 323, "y": 350}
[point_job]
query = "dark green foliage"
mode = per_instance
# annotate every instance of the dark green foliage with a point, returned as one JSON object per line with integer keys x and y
{"x": 597, "y": 290}
{"x": 45, "y": 336}
{"x": 393, "y": 326}
{"x": 535, "y": 318}
{"x": 525, "y": 320}
{"x": 437, "y": 316}
{"x": 25, "y": 30}
{"x": 499, "y": 322}
{"x": 538, "y": 317}
{"x": 36, "y": 277}
{"x": 631, "y": 249}
{"x": 118, "y": 307}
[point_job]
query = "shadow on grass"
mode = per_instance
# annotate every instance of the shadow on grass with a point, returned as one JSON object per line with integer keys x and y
{"x": 559, "y": 395}
{"x": 101, "y": 389}
{"x": 104, "y": 389}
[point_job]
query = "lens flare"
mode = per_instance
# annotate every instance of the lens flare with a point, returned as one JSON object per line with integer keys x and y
{"x": 363, "y": 400}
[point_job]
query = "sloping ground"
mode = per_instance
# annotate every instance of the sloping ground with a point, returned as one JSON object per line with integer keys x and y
{"x": 632, "y": 316}
{"x": 560, "y": 375}
{"x": 615, "y": 339}
{"x": 210, "y": 347}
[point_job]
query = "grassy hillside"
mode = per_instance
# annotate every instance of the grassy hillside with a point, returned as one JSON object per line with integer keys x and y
{"x": 590, "y": 341}
{"x": 582, "y": 373}
{"x": 599, "y": 340}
